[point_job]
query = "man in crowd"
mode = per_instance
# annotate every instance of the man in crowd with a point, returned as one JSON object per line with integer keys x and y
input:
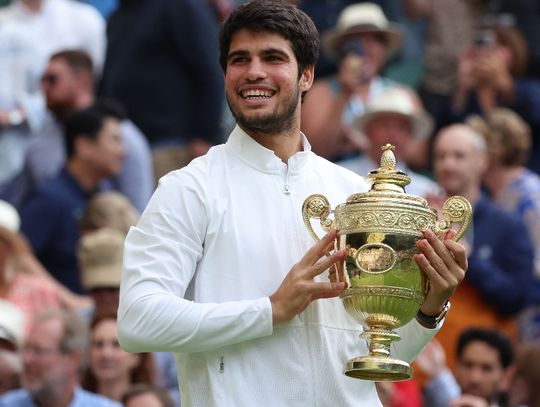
{"x": 500, "y": 275}
{"x": 95, "y": 151}
{"x": 52, "y": 358}
{"x": 68, "y": 84}
{"x": 221, "y": 269}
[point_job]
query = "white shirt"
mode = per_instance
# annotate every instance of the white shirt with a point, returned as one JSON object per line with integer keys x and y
{"x": 216, "y": 240}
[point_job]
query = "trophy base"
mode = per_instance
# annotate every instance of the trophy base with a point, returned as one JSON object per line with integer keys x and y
{"x": 378, "y": 369}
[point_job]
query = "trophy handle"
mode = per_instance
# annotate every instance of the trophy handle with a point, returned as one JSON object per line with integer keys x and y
{"x": 456, "y": 209}
{"x": 316, "y": 206}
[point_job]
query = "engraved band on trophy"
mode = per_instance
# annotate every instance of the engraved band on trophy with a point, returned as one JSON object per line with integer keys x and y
{"x": 378, "y": 230}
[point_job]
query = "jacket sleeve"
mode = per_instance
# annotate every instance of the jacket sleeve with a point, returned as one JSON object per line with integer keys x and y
{"x": 160, "y": 261}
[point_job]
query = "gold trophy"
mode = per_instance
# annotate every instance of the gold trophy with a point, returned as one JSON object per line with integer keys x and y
{"x": 379, "y": 230}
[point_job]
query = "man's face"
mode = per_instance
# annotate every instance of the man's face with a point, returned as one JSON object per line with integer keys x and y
{"x": 390, "y": 128}
{"x": 107, "y": 152}
{"x": 457, "y": 161}
{"x": 261, "y": 82}
{"x": 46, "y": 366}
{"x": 60, "y": 85}
{"x": 479, "y": 371}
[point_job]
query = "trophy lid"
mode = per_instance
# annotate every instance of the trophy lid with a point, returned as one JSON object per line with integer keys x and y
{"x": 388, "y": 182}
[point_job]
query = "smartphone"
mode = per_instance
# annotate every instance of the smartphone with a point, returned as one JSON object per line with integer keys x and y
{"x": 484, "y": 38}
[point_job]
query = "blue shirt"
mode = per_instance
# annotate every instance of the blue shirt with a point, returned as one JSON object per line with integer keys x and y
{"x": 49, "y": 220}
{"x": 82, "y": 398}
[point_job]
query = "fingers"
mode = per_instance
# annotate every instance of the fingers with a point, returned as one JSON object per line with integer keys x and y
{"x": 458, "y": 252}
{"x": 324, "y": 264}
{"x": 319, "y": 249}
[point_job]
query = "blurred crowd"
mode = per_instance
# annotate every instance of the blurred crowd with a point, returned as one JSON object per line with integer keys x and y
{"x": 101, "y": 98}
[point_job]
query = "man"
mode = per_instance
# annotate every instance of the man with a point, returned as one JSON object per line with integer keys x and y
{"x": 499, "y": 279}
{"x": 52, "y": 358}
{"x": 219, "y": 268}
{"x": 482, "y": 375}
{"x": 393, "y": 118}
{"x": 68, "y": 84}
{"x": 94, "y": 152}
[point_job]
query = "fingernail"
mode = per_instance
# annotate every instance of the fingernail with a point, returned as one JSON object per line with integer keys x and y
{"x": 429, "y": 234}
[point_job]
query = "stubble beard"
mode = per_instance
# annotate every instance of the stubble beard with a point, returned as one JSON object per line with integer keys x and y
{"x": 272, "y": 123}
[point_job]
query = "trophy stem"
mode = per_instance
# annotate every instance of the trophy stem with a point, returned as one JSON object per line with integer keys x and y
{"x": 378, "y": 365}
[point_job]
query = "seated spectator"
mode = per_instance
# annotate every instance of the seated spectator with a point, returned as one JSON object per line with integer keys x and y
{"x": 490, "y": 76}
{"x": 23, "y": 281}
{"x": 141, "y": 395}
{"x": 482, "y": 375}
{"x": 362, "y": 40}
{"x": 52, "y": 357}
{"x": 525, "y": 389}
{"x": 68, "y": 85}
{"x": 111, "y": 370}
{"x": 393, "y": 118}
{"x": 50, "y": 217}
{"x": 515, "y": 188}
{"x": 100, "y": 261}
{"x": 108, "y": 209}
{"x": 499, "y": 282}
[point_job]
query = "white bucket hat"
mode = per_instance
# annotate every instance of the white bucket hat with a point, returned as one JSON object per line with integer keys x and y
{"x": 397, "y": 101}
{"x": 358, "y": 19}
{"x": 9, "y": 217}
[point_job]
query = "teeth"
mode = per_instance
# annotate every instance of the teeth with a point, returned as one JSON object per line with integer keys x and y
{"x": 257, "y": 93}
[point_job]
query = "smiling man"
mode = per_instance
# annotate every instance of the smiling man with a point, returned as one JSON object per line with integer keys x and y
{"x": 221, "y": 269}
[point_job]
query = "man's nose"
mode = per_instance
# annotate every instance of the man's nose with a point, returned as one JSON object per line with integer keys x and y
{"x": 256, "y": 70}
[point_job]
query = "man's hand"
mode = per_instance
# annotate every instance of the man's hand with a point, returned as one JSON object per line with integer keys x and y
{"x": 444, "y": 263}
{"x": 432, "y": 360}
{"x": 299, "y": 288}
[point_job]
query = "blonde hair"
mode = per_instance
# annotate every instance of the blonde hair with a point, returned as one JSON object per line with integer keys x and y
{"x": 109, "y": 209}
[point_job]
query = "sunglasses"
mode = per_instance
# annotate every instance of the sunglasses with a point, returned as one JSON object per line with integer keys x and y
{"x": 49, "y": 78}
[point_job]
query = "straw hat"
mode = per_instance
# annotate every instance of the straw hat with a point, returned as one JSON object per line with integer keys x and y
{"x": 9, "y": 217}
{"x": 100, "y": 257}
{"x": 11, "y": 323}
{"x": 397, "y": 101}
{"x": 358, "y": 19}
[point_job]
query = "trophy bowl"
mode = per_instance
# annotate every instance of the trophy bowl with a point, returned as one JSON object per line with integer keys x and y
{"x": 379, "y": 230}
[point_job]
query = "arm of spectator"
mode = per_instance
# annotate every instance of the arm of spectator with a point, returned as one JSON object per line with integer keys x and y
{"x": 468, "y": 400}
{"x": 26, "y": 262}
{"x": 322, "y": 113}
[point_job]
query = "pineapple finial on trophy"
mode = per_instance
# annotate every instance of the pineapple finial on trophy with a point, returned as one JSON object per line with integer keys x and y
{"x": 388, "y": 160}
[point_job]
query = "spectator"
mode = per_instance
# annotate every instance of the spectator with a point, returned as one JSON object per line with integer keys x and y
{"x": 515, "y": 188}
{"x": 393, "y": 118}
{"x": 166, "y": 73}
{"x": 50, "y": 218}
{"x": 68, "y": 85}
{"x": 363, "y": 40}
{"x": 491, "y": 75}
{"x": 111, "y": 370}
{"x": 109, "y": 209}
{"x": 500, "y": 279}
{"x": 52, "y": 357}
{"x": 482, "y": 375}
{"x": 22, "y": 280}
{"x": 524, "y": 389}
{"x": 30, "y": 32}
{"x": 141, "y": 395}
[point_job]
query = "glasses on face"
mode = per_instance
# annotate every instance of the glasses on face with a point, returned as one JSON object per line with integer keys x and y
{"x": 49, "y": 79}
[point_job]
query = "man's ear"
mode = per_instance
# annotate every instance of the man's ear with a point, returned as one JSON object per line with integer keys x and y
{"x": 307, "y": 77}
